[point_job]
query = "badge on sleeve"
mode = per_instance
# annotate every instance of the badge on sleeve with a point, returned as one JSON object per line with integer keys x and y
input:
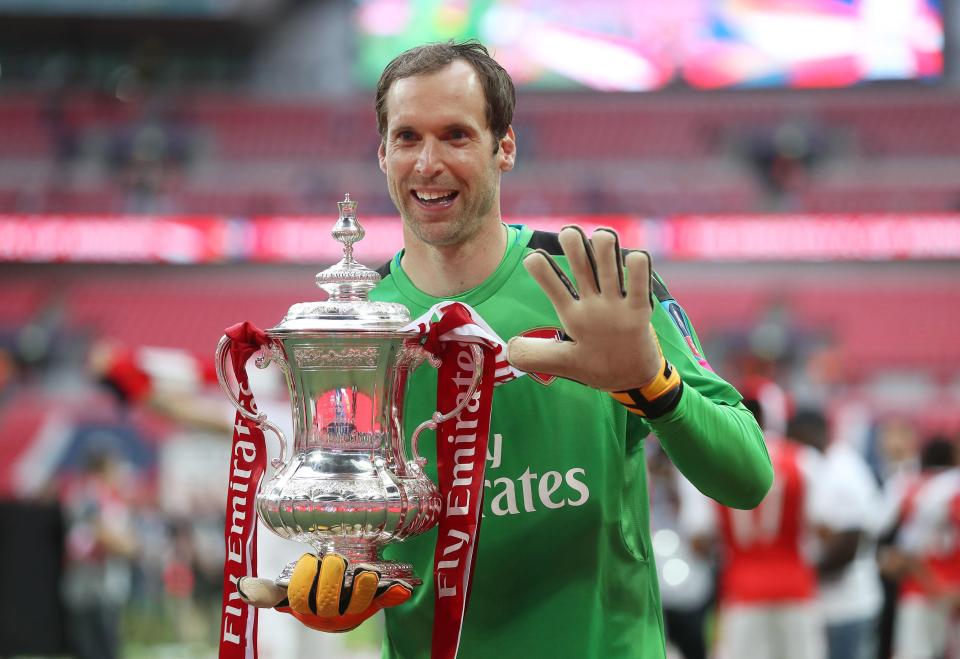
{"x": 679, "y": 318}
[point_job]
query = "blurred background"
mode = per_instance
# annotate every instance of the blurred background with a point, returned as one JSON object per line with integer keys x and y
{"x": 171, "y": 167}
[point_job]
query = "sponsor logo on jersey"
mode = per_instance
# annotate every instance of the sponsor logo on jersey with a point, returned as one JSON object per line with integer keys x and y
{"x": 543, "y": 333}
{"x": 531, "y": 491}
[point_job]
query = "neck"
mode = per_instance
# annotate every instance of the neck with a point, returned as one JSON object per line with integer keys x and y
{"x": 445, "y": 271}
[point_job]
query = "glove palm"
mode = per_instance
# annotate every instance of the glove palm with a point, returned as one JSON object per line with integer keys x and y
{"x": 605, "y": 314}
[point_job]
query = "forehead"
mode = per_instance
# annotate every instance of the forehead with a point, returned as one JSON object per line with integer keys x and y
{"x": 453, "y": 94}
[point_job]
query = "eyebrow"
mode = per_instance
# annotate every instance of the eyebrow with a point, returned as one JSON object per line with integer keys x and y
{"x": 447, "y": 127}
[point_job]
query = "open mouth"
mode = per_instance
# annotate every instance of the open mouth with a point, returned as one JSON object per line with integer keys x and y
{"x": 435, "y": 199}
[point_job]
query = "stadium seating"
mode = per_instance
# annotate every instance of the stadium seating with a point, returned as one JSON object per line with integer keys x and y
{"x": 185, "y": 153}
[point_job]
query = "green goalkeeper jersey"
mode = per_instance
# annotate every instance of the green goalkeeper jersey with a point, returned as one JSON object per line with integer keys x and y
{"x": 564, "y": 566}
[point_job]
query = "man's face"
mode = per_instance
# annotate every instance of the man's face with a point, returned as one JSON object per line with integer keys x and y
{"x": 438, "y": 155}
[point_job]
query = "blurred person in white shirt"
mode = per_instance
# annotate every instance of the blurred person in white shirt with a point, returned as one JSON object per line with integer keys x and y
{"x": 678, "y": 513}
{"x": 845, "y": 509}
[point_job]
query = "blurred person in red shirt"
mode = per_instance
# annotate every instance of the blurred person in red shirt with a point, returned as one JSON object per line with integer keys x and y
{"x": 768, "y": 583}
{"x": 926, "y": 555}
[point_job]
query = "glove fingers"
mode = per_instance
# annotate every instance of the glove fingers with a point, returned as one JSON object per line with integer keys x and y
{"x": 302, "y": 583}
{"x": 583, "y": 262}
{"x": 535, "y": 355}
{"x": 639, "y": 270}
{"x": 606, "y": 244}
{"x": 391, "y": 593}
{"x": 329, "y": 584}
{"x": 552, "y": 279}
{"x": 365, "y": 584}
{"x": 261, "y": 593}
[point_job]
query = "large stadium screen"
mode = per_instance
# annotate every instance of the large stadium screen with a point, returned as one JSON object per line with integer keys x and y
{"x": 625, "y": 45}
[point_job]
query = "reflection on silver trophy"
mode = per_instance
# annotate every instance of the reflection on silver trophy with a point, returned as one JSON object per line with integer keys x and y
{"x": 349, "y": 485}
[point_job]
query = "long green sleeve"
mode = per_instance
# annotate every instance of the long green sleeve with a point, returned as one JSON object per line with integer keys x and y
{"x": 718, "y": 447}
{"x": 710, "y": 436}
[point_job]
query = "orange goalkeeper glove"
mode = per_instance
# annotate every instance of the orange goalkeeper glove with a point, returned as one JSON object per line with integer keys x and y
{"x": 319, "y": 596}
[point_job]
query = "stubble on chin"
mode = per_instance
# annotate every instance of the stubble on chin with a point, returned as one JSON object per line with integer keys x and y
{"x": 438, "y": 234}
{"x": 454, "y": 231}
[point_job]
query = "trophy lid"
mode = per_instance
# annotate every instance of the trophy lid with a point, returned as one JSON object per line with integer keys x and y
{"x": 347, "y": 283}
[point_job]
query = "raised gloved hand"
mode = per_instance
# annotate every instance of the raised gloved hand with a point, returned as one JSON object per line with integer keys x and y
{"x": 611, "y": 344}
{"x": 319, "y": 597}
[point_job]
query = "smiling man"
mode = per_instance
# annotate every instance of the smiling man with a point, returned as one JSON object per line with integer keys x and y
{"x": 563, "y": 566}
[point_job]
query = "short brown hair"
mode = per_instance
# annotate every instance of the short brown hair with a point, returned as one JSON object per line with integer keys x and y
{"x": 497, "y": 85}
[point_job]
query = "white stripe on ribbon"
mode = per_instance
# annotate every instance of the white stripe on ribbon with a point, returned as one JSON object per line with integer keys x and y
{"x": 477, "y": 331}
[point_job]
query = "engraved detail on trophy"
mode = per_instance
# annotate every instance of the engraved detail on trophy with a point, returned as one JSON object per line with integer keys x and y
{"x": 411, "y": 355}
{"x": 353, "y": 439}
{"x": 339, "y": 357}
{"x": 330, "y": 307}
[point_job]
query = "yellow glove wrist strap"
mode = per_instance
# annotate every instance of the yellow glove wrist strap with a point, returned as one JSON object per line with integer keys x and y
{"x": 655, "y": 398}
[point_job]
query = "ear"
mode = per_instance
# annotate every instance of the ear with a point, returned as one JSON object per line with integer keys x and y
{"x": 508, "y": 150}
{"x": 382, "y": 156}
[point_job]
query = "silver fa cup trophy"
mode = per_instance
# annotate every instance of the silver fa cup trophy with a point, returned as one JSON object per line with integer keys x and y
{"x": 348, "y": 485}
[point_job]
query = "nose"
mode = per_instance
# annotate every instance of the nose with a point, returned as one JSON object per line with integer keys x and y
{"x": 429, "y": 163}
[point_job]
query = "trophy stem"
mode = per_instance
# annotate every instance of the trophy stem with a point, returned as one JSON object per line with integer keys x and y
{"x": 356, "y": 554}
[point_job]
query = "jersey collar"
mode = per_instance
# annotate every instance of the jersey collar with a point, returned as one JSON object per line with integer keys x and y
{"x": 517, "y": 238}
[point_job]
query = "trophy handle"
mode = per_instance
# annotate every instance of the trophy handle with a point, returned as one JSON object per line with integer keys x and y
{"x": 438, "y": 417}
{"x": 220, "y": 361}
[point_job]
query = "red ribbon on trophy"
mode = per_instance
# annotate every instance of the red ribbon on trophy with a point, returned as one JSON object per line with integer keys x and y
{"x": 461, "y": 457}
{"x": 248, "y": 459}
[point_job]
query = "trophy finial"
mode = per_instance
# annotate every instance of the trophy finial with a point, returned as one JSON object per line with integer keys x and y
{"x": 347, "y": 280}
{"x": 347, "y": 230}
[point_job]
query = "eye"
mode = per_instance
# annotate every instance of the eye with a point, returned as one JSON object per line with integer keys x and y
{"x": 457, "y": 135}
{"x": 405, "y": 136}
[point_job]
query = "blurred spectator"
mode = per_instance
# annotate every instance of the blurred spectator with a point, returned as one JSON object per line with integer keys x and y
{"x": 166, "y": 382}
{"x": 927, "y": 557}
{"x": 55, "y": 81}
{"x": 768, "y": 584}
{"x": 684, "y": 562}
{"x": 845, "y": 510}
{"x": 783, "y": 157}
{"x": 148, "y": 159}
{"x": 895, "y": 459}
{"x": 100, "y": 547}
{"x": 898, "y": 448}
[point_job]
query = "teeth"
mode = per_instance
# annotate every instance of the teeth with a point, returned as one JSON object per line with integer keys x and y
{"x": 430, "y": 196}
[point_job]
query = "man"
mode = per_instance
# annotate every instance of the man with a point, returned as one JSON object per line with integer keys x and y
{"x": 100, "y": 547}
{"x": 768, "y": 584}
{"x": 564, "y": 564}
{"x": 679, "y": 513}
{"x": 928, "y": 551}
{"x": 846, "y": 512}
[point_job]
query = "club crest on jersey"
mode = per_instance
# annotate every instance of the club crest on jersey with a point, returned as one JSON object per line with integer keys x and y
{"x": 543, "y": 333}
